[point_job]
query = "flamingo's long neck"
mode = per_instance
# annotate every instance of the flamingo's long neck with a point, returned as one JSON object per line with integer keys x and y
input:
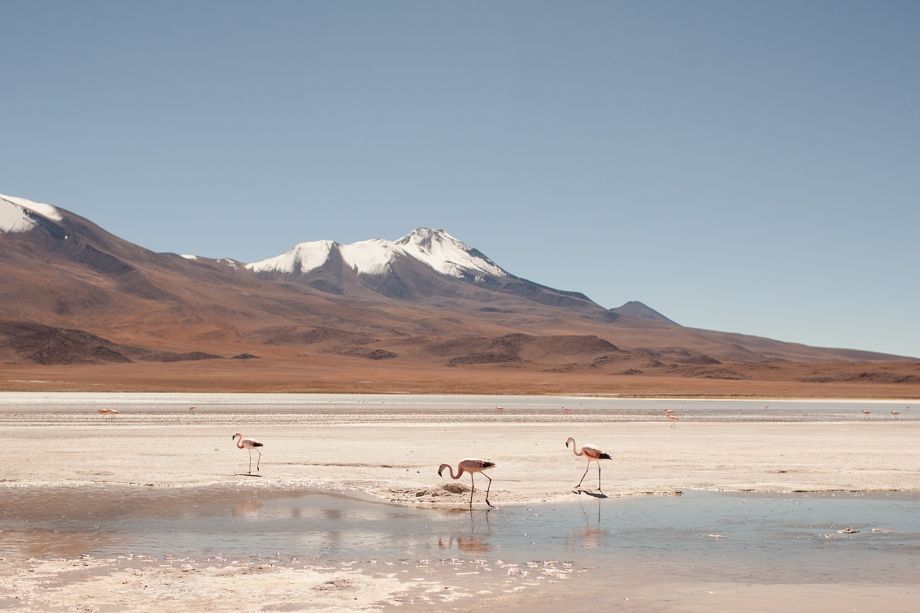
{"x": 459, "y": 472}
{"x": 239, "y": 443}
{"x": 576, "y": 450}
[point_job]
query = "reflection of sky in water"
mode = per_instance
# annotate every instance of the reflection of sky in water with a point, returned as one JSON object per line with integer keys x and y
{"x": 793, "y": 538}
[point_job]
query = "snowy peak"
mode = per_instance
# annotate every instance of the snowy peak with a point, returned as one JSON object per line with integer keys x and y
{"x": 18, "y": 214}
{"x": 435, "y": 248}
{"x": 303, "y": 257}
{"x": 371, "y": 257}
{"x": 446, "y": 254}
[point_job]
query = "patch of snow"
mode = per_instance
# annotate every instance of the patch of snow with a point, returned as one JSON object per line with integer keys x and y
{"x": 45, "y": 210}
{"x": 446, "y": 254}
{"x": 190, "y": 257}
{"x": 13, "y": 218}
{"x": 229, "y": 262}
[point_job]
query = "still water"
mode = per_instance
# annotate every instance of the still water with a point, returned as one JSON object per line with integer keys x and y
{"x": 696, "y": 536}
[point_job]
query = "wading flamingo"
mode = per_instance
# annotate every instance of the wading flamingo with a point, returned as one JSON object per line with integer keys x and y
{"x": 593, "y": 453}
{"x": 673, "y": 419}
{"x": 471, "y": 465}
{"x": 249, "y": 444}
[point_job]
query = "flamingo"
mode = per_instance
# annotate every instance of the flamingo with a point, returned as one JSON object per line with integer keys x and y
{"x": 470, "y": 465}
{"x": 249, "y": 444}
{"x": 895, "y": 413}
{"x": 112, "y": 412}
{"x": 866, "y": 413}
{"x": 593, "y": 453}
{"x": 673, "y": 419}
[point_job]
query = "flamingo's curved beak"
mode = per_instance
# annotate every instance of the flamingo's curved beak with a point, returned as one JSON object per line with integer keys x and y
{"x": 439, "y": 472}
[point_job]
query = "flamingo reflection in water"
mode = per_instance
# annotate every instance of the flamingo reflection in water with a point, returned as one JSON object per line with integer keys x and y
{"x": 469, "y": 543}
{"x": 590, "y": 537}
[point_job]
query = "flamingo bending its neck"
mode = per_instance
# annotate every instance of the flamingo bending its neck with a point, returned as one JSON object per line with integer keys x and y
{"x": 592, "y": 452}
{"x": 470, "y": 465}
{"x": 249, "y": 444}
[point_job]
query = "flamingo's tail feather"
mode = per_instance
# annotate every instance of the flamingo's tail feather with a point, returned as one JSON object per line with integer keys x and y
{"x": 605, "y": 456}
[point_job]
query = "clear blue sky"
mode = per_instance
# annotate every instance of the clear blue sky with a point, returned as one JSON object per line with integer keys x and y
{"x": 741, "y": 166}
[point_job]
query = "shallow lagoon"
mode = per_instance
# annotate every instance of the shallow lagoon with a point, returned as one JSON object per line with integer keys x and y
{"x": 698, "y": 536}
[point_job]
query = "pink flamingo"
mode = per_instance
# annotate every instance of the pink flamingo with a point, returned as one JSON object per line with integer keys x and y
{"x": 470, "y": 465}
{"x": 249, "y": 444}
{"x": 593, "y": 452}
{"x": 673, "y": 419}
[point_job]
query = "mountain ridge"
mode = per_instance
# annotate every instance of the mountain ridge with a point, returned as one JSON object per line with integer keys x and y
{"x": 105, "y": 303}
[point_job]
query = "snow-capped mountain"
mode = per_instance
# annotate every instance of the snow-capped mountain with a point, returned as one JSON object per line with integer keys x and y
{"x": 435, "y": 248}
{"x": 73, "y": 293}
{"x": 423, "y": 266}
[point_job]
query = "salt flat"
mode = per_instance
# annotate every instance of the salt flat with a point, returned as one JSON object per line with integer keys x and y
{"x": 393, "y": 448}
{"x": 388, "y": 448}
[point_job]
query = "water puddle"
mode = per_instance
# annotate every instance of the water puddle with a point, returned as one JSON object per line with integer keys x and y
{"x": 449, "y": 556}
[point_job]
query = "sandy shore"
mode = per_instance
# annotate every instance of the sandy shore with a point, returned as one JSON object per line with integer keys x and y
{"x": 399, "y": 460}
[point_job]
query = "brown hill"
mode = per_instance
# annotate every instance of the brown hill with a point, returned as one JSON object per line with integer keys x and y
{"x": 77, "y": 298}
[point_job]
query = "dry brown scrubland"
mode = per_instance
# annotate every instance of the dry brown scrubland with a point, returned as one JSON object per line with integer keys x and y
{"x": 285, "y": 370}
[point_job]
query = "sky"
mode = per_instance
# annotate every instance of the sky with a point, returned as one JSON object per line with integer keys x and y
{"x": 739, "y": 166}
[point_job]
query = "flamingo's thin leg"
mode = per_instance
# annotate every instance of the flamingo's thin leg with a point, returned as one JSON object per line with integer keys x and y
{"x": 472, "y": 488}
{"x": 250, "y": 461}
{"x": 260, "y": 461}
{"x": 598, "y": 475}
{"x": 488, "y": 487}
{"x": 586, "y": 472}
